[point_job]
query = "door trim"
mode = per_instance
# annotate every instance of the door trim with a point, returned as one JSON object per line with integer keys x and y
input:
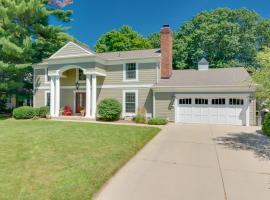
{"x": 74, "y": 98}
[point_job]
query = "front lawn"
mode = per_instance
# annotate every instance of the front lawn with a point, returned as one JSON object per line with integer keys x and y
{"x": 63, "y": 160}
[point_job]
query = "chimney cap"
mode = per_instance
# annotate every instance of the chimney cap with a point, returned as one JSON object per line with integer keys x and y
{"x": 203, "y": 61}
{"x": 166, "y": 26}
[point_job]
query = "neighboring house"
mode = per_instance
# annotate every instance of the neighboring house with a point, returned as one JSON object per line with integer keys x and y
{"x": 144, "y": 79}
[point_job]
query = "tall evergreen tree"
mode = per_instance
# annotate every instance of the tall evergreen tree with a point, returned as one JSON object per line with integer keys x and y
{"x": 26, "y": 37}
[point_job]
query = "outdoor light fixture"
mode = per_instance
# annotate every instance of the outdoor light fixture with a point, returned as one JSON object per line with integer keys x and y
{"x": 77, "y": 85}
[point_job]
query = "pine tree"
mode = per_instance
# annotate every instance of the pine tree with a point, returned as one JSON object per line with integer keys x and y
{"x": 26, "y": 37}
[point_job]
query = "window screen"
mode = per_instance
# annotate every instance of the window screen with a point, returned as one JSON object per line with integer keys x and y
{"x": 131, "y": 71}
{"x": 130, "y": 102}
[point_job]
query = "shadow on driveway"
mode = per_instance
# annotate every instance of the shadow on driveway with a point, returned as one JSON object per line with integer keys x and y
{"x": 258, "y": 143}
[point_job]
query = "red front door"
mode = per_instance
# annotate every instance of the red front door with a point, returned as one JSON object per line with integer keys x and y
{"x": 80, "y": 101}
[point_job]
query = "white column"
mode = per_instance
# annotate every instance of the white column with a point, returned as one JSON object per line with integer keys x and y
{"x": 57, "y": 96}
{"x": 94, "y": 96}
{"x": 52, "y": 100}
{"x": 248, "y": 112}
{"x": 88, "y": 88}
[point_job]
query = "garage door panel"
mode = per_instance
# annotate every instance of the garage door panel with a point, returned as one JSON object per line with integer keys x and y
{"x": 213, "y": 114}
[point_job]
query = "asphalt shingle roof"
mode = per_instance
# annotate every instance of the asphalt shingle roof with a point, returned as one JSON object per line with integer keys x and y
{"x": 213, "y": 77}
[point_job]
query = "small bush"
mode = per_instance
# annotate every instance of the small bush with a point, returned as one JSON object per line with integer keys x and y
{"x": 36, "y": 111}
{"x": 139, "y": 118}
{"x": 43, "y": 111}
{"x": 109, "y": 109}
{"x": 157, "y": 121}
{"x": 266, "y": 125}
{"x": 24, "y": 112}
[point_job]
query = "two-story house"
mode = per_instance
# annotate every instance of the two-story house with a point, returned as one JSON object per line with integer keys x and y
{"x": 144, "y": 79}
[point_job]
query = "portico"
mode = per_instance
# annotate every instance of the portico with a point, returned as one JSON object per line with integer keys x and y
{"x": 90, "y": 92}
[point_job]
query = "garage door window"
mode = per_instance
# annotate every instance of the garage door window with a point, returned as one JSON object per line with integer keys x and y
{"x": 185, "y": 101}
{"x": 201, "y": 101}
{"x": 236, "y": 102}
{"x": 220, "y": 101}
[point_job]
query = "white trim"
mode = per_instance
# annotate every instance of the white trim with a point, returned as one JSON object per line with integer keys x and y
{"x": 46, "y": 75}
{"x": 88, "y": 97}
{"x": 45, "y": 97}
{"x": 102, "y": 86}
{"x": 215, "y": 95}
{"x": 154, "y": 104}
{"x": 124, "y": 72}
{"x": 248, "y": 111}
{"x": 126, "y": 86}
{"x": 124, "y": 114}
{"x": 157, "y": 73}
{"x": 70, "y": 42}
{"x": 93, "y": 95}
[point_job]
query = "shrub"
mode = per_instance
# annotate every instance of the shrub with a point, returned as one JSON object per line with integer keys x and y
{"x": 36, "y": 111}
{"x": 157, "y": 121}
{"x": 139, "y": 118}
{"x": 24, "y": 112}
{"x": 266, "y": 125}
{"x": 109, "y": 109}
{"x": 43, "y": 111}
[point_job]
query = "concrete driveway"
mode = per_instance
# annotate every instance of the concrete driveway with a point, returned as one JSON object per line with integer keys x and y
{"x": 196, "y": 162}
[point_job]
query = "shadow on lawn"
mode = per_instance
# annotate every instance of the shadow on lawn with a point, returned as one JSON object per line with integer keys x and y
{"x": 4, "y": 117}
{"x": 257, "y": 143}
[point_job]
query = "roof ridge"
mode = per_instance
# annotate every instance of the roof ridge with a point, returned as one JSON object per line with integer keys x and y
{"x": 128, "y": 51}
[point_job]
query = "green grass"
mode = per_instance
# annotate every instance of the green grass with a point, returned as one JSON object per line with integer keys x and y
{"x": 63, "y": 160}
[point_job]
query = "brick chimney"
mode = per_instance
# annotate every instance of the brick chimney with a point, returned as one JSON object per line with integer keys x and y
{"x": 166, "y": 41}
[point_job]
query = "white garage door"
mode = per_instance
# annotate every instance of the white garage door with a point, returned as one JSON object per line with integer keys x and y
{"x": 211, "y": 110}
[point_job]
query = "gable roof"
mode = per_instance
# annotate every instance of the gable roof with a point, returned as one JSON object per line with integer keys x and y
{"x": 146, "y": 53}
{"x": 237, "y": 76}
{"x": 71, "y": 49}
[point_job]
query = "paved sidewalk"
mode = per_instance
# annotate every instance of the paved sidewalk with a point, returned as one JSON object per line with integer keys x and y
{"x": 196, "y": 162}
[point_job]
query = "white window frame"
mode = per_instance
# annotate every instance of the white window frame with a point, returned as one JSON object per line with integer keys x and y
{"x": 124, "y": 72}
{"x": 46, "y": 75}
{"x": 125, "y": 114}
{"x": 45, "y": 97}
{"x": 77, "y": 76}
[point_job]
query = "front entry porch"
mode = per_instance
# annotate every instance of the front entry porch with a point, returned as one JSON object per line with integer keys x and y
{"x": 84, "y": 98}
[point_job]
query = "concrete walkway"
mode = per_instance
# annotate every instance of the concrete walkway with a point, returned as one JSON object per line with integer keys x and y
{"x": 196, "y": 162}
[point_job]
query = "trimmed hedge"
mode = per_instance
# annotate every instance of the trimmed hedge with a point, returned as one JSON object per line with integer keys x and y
{"x": 109, "y": 109}
{"x": 266, "y": 125}
{"x": 157, "y": 121}
{"x": 43, "y": 111}
{"x": 24, "y": 112}
{"x": 139, "y": 118}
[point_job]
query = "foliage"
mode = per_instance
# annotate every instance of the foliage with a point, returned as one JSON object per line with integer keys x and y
{"x": 157, "y": 121}
{"x": 109, "y": 109}
{"x": 123, "y": 39}
{"x": 154, "y": 40}
{"x": 224, "y": 36}
{"x": 24, "y": 112}
{"x": 266, "y": 125}
{"x": 139, "y": 118}
{"x": 51, "y": 158}
{"x": 42, "y": 111}
{"x": 26, "y": 37}
{"x": 261, "y": 77}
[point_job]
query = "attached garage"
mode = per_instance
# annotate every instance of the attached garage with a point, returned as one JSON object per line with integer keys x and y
{"x": 211, "y": 96}
{"x": 212, "y": 109}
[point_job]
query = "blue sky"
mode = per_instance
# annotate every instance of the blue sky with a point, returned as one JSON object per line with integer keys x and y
{"x": 92, "y": 18}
